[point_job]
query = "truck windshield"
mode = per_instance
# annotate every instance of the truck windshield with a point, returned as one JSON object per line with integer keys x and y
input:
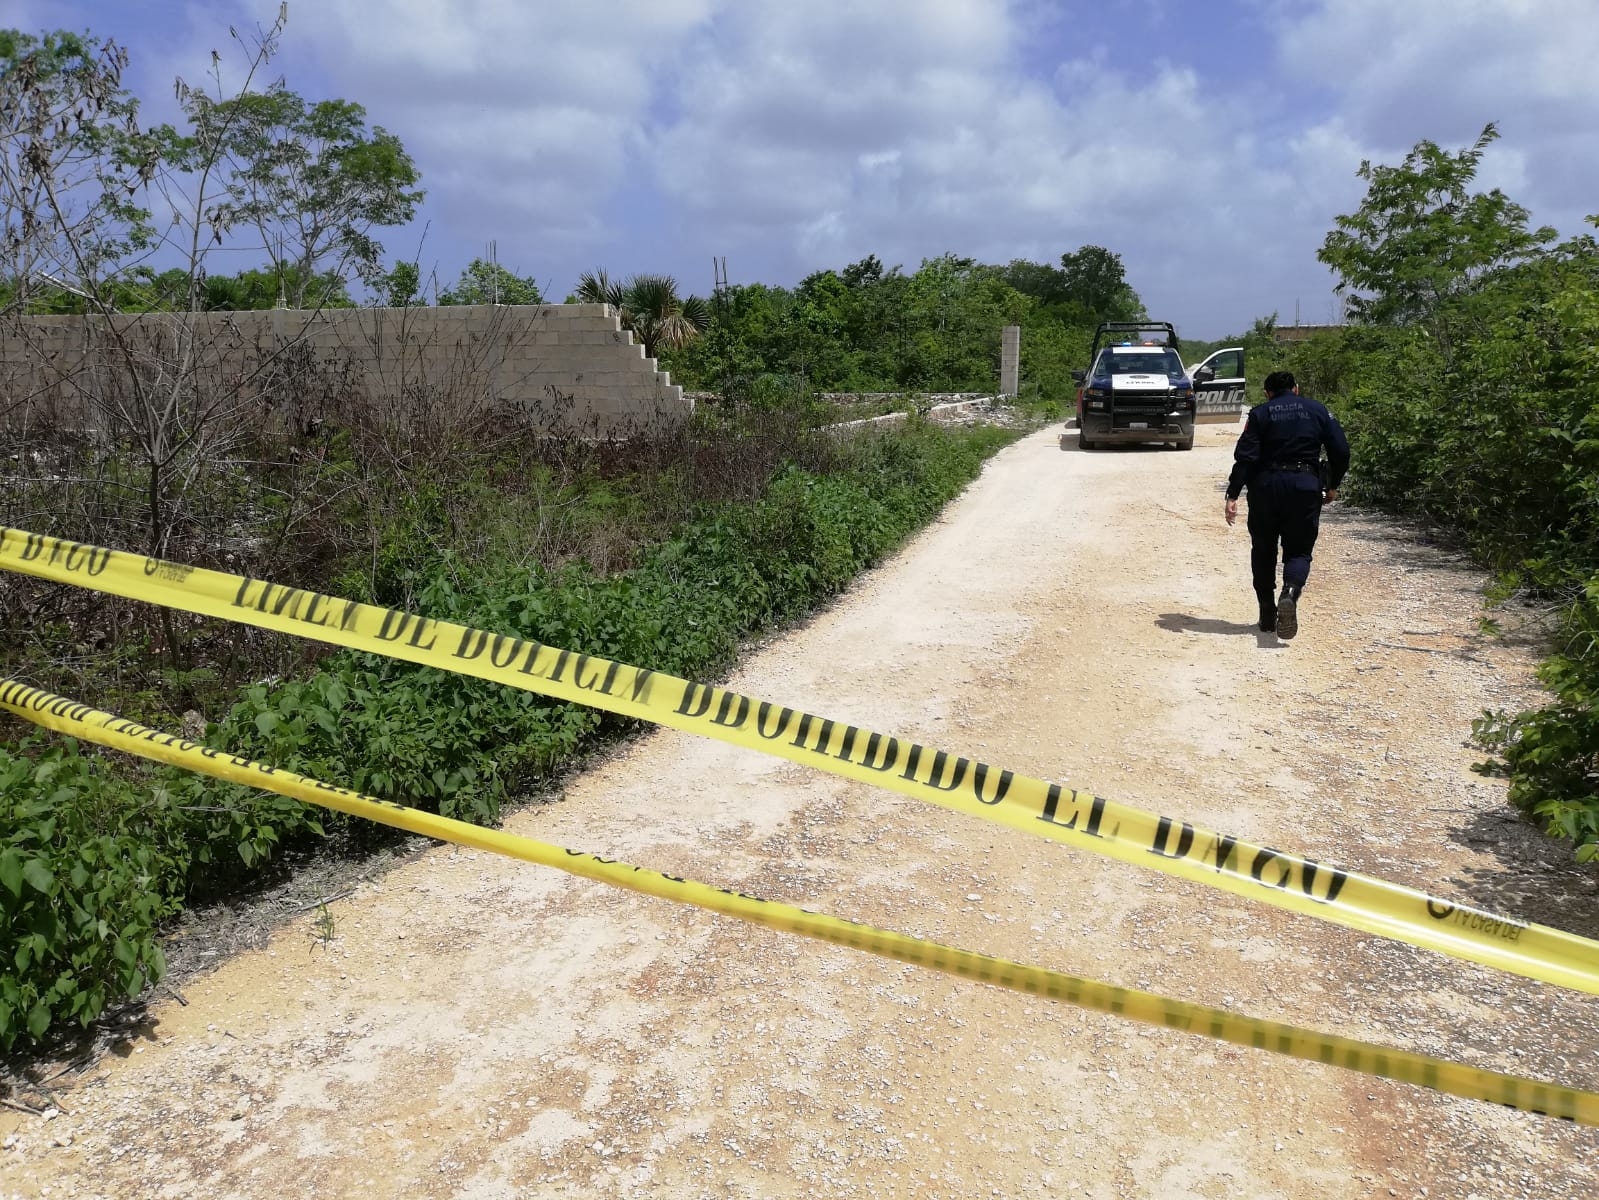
{"x": 1166, "y": 363}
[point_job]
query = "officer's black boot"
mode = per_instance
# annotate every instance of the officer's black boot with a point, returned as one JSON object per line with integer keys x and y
{"x": 1268, "y": 616}
{"x": 1287, "y": 614}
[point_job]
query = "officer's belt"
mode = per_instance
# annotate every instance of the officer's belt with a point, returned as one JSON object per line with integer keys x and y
{"x": 1294, "y": 466}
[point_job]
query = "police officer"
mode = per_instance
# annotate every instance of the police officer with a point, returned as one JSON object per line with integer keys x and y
{"x": 1278, "y": 458}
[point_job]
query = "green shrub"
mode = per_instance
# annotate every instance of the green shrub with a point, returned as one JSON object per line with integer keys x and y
{"x": 90, "y": 865}
{"x": 1551, "y": 755}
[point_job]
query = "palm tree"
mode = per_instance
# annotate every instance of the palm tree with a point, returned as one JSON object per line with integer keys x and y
{"x": 599, "y": 288}
{"x": 649, "y": 306}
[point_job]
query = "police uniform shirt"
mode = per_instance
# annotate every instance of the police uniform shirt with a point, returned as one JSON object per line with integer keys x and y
{"x": 1287, "y": 434}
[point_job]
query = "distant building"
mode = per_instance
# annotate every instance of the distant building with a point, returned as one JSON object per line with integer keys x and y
{"x": 1288, "y": 335}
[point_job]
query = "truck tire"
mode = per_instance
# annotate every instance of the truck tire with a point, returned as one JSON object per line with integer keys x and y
{"x": 1186, "y": 443}
{"x": 1083, "y": 443}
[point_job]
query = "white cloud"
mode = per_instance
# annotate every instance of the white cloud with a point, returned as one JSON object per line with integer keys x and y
{"x": 1447, "y": 61}
{"x": 521, "y": 115}
{"x": 789, "y": 111}
{"x": 1442, "y": 69}
{"x": 650, "y": 135}
{"x": 908, "y": 150}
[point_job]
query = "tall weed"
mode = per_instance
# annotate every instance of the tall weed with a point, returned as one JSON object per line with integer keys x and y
{"x": 94, "y": 854}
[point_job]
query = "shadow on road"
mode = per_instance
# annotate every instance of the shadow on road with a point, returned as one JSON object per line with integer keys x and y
{"x": 1536, "y": 878}
{"x": 1183, "y": 623}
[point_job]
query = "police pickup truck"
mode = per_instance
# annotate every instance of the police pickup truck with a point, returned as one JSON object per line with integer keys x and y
{"x": 1136, "y": 388}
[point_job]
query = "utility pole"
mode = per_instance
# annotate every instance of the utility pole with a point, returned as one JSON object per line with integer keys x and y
{"x": 719, "y": 289}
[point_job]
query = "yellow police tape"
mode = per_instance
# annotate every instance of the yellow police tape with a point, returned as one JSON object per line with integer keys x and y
{"x": 1529, "y": 1095}
{"x": 1076, "y": 818}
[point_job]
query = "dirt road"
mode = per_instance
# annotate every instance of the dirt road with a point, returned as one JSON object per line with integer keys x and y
{"x": 481, "y": 1028}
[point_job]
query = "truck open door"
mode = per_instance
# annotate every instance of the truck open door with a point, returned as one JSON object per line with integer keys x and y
{"x": 1219, "y": 385}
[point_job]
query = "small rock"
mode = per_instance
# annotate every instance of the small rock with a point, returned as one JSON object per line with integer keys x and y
{"x": 64, "y": 1139}
{"x": 973, "y": 896}
{"x": 50, "y": 1114}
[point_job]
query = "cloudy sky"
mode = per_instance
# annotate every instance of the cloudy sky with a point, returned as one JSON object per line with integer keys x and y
{"x": 1209, "y": 142}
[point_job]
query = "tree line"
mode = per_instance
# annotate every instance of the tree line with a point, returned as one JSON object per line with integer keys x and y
{"x": 872, "y": 328}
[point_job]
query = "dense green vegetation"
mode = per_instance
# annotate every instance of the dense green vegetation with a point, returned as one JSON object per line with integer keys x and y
{"x": 870, "y": 328}
{"x": 774, "y": 518}
{"x": 1470, "y": 390}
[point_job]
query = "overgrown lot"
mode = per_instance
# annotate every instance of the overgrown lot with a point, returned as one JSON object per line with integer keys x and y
{"x": 667, "y": 549}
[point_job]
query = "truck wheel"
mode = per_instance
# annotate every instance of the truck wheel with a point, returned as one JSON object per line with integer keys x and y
{"x": 1083, "y": 443}
{"x": 1186, "y": 444}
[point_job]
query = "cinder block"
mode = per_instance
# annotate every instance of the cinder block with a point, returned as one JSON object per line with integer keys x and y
{"x": 569, "y": 360}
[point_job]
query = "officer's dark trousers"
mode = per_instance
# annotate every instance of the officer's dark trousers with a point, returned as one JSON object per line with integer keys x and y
{"x": 1283, "y": 508}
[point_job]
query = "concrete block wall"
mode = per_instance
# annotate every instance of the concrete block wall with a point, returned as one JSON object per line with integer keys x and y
{"x": 570, "y": 364}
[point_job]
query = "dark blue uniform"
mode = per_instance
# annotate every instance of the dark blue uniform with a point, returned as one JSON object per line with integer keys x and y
{"x": 1277, "y": 459}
